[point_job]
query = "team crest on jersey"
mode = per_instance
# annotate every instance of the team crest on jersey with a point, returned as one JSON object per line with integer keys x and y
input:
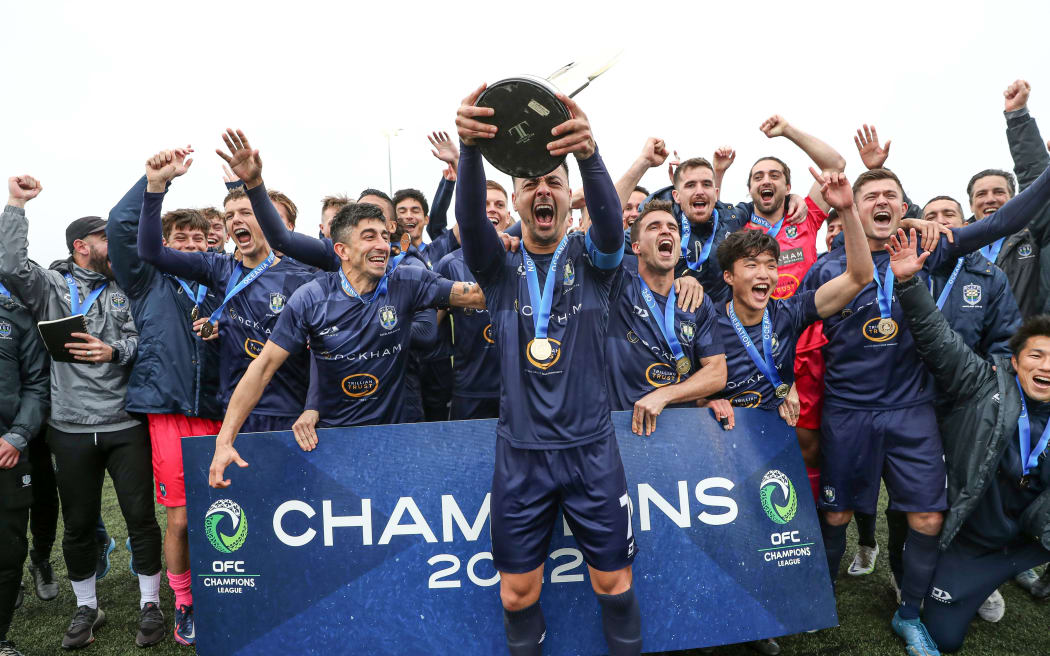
{"x": 829, "y": 494}
{"x": 27, "y": 480}
{"x": 846, "y": 313}
{"x": 791, "y": 231}
{"x": 163, "y": 490}
{"x": 1024, "y": 250}
{"x": 118, "y": 301}
{"x": 972, "y": 294}
{"x": 387, "y": 316}
{"x": 570, "y": 275}
{"x": 688, "y": 330}
{"x": 276, "y": 302}
{"x": 5, "y": 330}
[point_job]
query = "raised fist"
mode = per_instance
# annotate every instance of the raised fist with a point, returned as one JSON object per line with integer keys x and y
{"x": 1017, "y": 95}
{"x": 22, "y": 188}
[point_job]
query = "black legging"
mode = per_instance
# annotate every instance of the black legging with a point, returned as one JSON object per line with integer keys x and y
{"x": 43, "y": 515}
{"x": 81, "y": 460}
{"x": 16, "y": 494}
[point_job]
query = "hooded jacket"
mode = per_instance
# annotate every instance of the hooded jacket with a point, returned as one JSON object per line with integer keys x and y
{"x": 84, "y": 394}
{"x": 23, "y": 368}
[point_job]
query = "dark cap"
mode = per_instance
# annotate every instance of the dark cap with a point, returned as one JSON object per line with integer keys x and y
{"x": 82, "y": 227}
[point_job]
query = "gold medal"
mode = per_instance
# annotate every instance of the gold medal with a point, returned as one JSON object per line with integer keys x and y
{"x": 406, "y": 242}
{"x": 886, "y": 326}
{"x": 207, "y": 329}
{"x": 683, "y": 365}
{"x": 540, "y": 349}
{"x": 195, "y": 312}
{"x": 782, "y": 390}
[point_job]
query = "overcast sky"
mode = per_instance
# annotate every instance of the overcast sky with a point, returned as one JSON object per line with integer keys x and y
{"x": 93, "y": 89}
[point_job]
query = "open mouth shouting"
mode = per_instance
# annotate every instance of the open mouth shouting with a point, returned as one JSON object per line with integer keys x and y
{"x": 699, "y": 205}
{"x": 665, "y": 249}
{"x": 760, "y": 293}
{"x": 213, "y": 241}
{"x": 1041, "y": 384}
{"x": 377, "y": 259}
{"x": 882, "y": 218}
{"x": 242, "y": 236}
{"x": 543, "y": 212}
{"x": 766, "y": 194}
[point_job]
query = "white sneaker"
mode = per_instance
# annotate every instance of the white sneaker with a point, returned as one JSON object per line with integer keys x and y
{"x": 864, "y": 562}
{"x": 896, "y": 588}
{"x": 993, "y": 608}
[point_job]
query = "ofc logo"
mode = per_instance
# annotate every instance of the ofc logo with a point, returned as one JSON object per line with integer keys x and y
{"x": 776, "y": 480}
{"x": 222, "y": 509}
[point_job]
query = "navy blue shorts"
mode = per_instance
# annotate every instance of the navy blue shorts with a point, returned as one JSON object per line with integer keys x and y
{"x": 267, "y": 424}
{"x": 963, "y": 580}
{"x": 587, "y": 482}
{"x": 901, "y": 447}
{"x": 464, "y": 407}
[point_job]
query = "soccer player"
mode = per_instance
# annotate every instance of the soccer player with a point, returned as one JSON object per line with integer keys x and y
{"x": 995, "y": 440}
{"x": 631, "y": 207}
{"x": 255, "y": 291}
{"x": 352, "y": 321}
{"x": 329, "y": 207}
{"x": 555, "y": 441}
{"x": 174, "y": 380}
{"x": 475, "y": 363}
{"x": 659, "y": 354}
{"x": 23, "y": 409}
{"x": 216, "y": 229}
{"x": 90, "y": 431}
{"x": 878, "y": 419}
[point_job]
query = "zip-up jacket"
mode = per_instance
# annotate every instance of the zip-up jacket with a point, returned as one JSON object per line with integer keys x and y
{"x": 24, "y": 370}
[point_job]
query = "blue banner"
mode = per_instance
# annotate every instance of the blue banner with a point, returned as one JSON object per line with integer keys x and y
{"x": 377, "y": 542}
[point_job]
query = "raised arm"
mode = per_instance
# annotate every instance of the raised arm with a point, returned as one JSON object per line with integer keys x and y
{"x": 482, "y": 248}
{"x": 1026, "y": 149}
{"x": 824, "y": 156}
{"x": 122, "y": 233}
{"x": 27, "y": 280}
{"x": 721, "y": 162}
{"x": 247, "y": 166}
{"x": 1017, "y": 213}
{"x": 959, "y": 372}
{"x": 445, "y": 150}
{"x": 653, "y": 154}
{"x": 836, "y": 293}
{"x": 160, "y": 170}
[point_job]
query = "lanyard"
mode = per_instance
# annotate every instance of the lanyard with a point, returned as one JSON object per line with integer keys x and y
{"x": 380, "y": 289}
{"x": 4, "y": 290}
{"x": 885, "y": 292}
{"x": 665, "y": 323}
{"x": 74, "y": 297}
{"x": 771, "y": 230}
{"x": 765, "y": 363}
{"x": 198, "y": 298}
{"x": 706, "y": 252}
{"x": 233, "y": 287}
{"x": 991, "y": 251}
{"x": 541, "y": 303}
{"x": 1029, "y": 456}
{"x": 948, "y": 285}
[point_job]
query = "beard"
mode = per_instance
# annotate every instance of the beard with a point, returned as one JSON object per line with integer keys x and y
{"x": 99, "y": 263}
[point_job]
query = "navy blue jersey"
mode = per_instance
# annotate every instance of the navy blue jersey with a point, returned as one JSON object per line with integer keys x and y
{"x": 559, "y": 402}
{"x": 709, "y": 273}
{"x": 439, "y": 247}
{"x": 639, "y": 359}
{"x": 248, "y": 321}
{"x": 746, "y": 386}
{"x": 360, "y": 348}
{"x": 475, "y": 362}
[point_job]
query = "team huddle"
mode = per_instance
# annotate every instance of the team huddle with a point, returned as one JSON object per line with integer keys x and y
{"x": 914, "y": 352}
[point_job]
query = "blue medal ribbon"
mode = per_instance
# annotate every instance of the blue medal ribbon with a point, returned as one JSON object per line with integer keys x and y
{"x": 233, "y": 287}
{"x": 380, "y": 289}
{"x": 4, "y": 290}
{"x": 885, "y": 292}
{"x": 541, "y": 303}
{"x": 665, "y": 320}
{"x": 706, "y": 252}
{"x": 765, "y": 362}
{"x": 771, "y": 230}
{"x": 1029, "y": 456}
{"x": 991, "y": 251}
{"x": 197, "y": 297}
{"x": 948, "y": 285}
{"x": 74, "y": 297}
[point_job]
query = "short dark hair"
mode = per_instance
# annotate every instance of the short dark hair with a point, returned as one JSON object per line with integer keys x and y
{"x": 563, "y": 165}
{"x": 653, "y": 206}
{"x": 833, "y": 215}
{"x": 1037, "y": 325}
{"x": 492, "y": 184}
{"x": 347, "y": 218}
{"x": 277, "y": 198}
{"x": 236, "y": 193}
{"x": 1011, "y": 184}
{"x": 184, "y": 219}
{"x": 642, "y": 190}
{"x": 210, "y": 213}
{"x": 374, "y": 192}
{"x": 937, "y": 198}
{"x": 746, "y": 243}
{"x": 873, "y": 175}
{"x": 783, "y": 165}
{"x": 691, "y": 163}
{"x": 414, "y": 194}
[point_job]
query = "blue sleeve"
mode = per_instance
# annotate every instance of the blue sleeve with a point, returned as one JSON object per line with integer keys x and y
{"x": 482, "y": 248}
{"x": 132, "y": 274}
{"x": 293, "y": 327}
{"x": 1001, "y": 321}
{"x": 1008, "y": 219}
{"x": 605, "y": 237}
{"x": 308, "y": 250}
{"x": 708, "y": 341}
{"x": 439, "y": 208}
{"x": 193, "y": 266}
{"x": 429, "y": 290}
{"x": 803, "y": 310}
{"x": 230, "y": 186}
{"x": 313, "y": 394}
{"x": 424, "y": 330}
{"x": 514, "y": 230}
